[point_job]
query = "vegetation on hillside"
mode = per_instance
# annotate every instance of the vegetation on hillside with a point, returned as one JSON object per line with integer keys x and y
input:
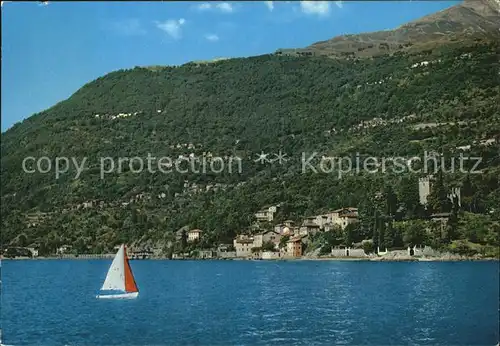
{"x": 241, "y": 107}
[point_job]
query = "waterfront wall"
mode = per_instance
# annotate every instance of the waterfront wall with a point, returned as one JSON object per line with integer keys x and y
{"x": 422, "y": 251}
{"x": 82, "y": 256}
{"x": 268, "y": 255}
{"x": 348, "y": 252}
{"x": 228, "y": 254}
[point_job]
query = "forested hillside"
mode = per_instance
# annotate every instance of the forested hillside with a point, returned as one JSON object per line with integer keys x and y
{"x": 400, "y": 105}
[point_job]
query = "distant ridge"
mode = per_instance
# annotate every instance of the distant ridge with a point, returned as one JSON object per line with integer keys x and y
{"x": 208, "y": 61}
{"x": 469, "y": 21}
{"x": 196, "y": 62}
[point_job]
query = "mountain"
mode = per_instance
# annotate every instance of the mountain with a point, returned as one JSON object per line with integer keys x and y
{"x": 461, "y": 24}
{"x": 436, "y": 100}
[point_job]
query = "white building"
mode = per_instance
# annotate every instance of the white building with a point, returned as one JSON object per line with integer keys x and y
{"x": 194, "y": 234}
{"x": 266, "y": 214}
{"x": 243, "y": 246}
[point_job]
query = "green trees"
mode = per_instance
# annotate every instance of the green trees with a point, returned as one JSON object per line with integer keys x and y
{"x": 283, "y": 241}
{"x": 21, "y": 240}
{"x": 438, "y": 199}
{"x": 241, "y": 107}
{"x": 183, "y": 241}
{"x": 391, "y": 201}
{"x": 408, "y": 195}
{"x": 351, "y": 234}
{"x": 268, "y": 246}
{"x": 414, "y": 234}
{"x": 368, "y": 247}
{"x": 79, "y": 246}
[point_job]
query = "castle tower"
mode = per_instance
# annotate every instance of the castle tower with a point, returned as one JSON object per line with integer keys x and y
{"x": 424, "y": 189}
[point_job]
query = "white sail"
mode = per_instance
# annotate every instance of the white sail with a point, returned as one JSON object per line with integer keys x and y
{"x": 115, "y": 279}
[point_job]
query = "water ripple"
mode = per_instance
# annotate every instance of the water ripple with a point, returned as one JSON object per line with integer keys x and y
{"x": 253, "y": 303}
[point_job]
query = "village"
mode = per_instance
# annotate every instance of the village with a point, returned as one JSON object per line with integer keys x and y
{"x": 286, "y": 240}
{"x": 289, "y": 241}
{"x": 266, "y": 239}
{"x": 269, "y": 240}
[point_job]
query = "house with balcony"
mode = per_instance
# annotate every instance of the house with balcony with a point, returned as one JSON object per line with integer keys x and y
{"x": 266, "y": 214}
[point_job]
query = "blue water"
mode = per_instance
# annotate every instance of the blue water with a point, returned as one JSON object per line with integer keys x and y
{"x": 253, "y": 303}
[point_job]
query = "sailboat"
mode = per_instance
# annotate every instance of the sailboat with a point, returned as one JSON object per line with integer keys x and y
{"x": 119, "y": 282}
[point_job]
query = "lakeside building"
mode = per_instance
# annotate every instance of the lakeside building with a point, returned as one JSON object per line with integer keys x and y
{"x": 207, "y": 254}
{"x": 279, "y": 228}
{"x": 294, "y": 247}
{"x": 140, "y": 254}
{"x": 247, "y": 246}
{"x": 244, "y": 243}
{"x": 250, "y": 245}
{"x": 64, "y": 249}
{"x": 194, "y": 234}
{"x": 336, "y": 218}
{"x": 224, "y": 247}
{"x": 425, "y": 185}
{"x": 309, "y": 227}
{"x": 343, "y": 217}
{"x": 264, "y": 237}
{"x": 243, "y": 246}
{"x": 266, "y": 214}
{"x": 34, "y": 251}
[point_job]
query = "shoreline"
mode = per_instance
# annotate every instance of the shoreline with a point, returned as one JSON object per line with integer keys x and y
{"x": 339, "y": 259}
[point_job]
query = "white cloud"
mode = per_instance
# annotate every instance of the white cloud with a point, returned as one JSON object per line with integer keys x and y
{"x": 40, "y": 3}
{"x": 339, "y": 4}
{"x": 172, "y": 27}
{"x": 225, "y": 7}
{"x": 204, "y": 6}
{"x": 128, "y": 27}
{"x": 320, "y": 8}
{"x": 212, "y": 37}
{"x": 269, "y": 4}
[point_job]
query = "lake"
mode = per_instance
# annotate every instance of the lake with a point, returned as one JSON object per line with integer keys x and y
{"x": 52, "y": 302}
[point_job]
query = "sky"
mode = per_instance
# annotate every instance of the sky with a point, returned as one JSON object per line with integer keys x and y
{"x": 50, "y": 50}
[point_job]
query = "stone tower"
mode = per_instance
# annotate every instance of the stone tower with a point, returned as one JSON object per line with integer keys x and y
{"x": 424, "y": 189}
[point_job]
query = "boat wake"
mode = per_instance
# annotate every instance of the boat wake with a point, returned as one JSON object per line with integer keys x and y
{"x": 131, "y": 295}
